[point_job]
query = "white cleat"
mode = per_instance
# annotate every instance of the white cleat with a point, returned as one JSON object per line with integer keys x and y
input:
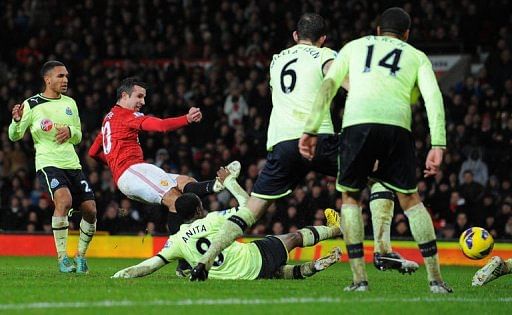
{"x": 357, "y": 287}
{"x": 327, "y": 261}
{"x": 234, "y": 170}
{"x": 439, "y": 287}
{"x": 491, "y": 271}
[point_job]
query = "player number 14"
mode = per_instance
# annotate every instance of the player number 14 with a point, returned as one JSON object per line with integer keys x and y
{"x": 389, "y": 61}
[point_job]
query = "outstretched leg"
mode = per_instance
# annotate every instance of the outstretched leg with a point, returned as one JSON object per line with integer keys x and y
{"x": 495, "y": 268}
{"x": 309, "y": 269}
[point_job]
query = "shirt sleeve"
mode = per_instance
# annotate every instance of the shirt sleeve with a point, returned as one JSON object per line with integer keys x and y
{"x": 339, "y": 67}
{"x": 330, "y": 85}
{"x": 171, "y": 251}
{"x": 135, "y": 120}
{"x": 433, "y": 98}
{"x": 326, "y": 56}
{"x": 96, "y": 149}
{"x": 17, "y": 129}
{"x": 75, "y": 129}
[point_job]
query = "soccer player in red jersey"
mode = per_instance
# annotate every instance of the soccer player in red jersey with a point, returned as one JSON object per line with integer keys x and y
{"x": 118, "y": 146}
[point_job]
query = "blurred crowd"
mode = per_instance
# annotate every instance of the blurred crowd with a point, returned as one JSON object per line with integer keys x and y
{"x": 215, "y": 55}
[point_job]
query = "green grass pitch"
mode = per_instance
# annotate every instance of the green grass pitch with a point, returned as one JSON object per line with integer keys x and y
{"x": 34, "y": 286}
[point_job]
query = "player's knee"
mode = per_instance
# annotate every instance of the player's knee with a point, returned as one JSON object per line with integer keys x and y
{"x": 356, "y": 195}
{"x": 183, "y": 180}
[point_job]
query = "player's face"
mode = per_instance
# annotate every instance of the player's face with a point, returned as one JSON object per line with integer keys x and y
{"x": 57, "y": 79}
{"x": 136, "y": 100}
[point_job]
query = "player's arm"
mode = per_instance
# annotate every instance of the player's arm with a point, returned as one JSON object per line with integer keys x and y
{"x": 21, "y": 120}
{"x": 170, "y": 124}
{"x": 169, "y": 253}
{"x": 433, "y": 98}
{"x": 96, "y": 149}
{"x": 338, "y": 70}
{"x": 75, "y": 129}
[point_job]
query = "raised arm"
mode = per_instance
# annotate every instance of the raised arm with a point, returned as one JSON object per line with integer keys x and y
{"x": 170, "y": 124}
{"x": 21, "y": 120}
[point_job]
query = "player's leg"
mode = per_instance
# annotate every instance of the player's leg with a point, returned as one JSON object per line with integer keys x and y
{"x": 275, "y": 181}
{"x": 422, "y": 230}
{"x": 495, "y": 268}
{"x": 382, "y": 206}
{"x": 84, "y": 196}
{"x": 309, "y": 269}
{"x": 356, "y": 161}
{"x": 305, "y": 237}
{"x": 398, "y": 172}
{"x": 187, "y": 184}
{"x": 63, "y": 201}
{"x": 55, "y": 182}
{"x": 87, "y": 230}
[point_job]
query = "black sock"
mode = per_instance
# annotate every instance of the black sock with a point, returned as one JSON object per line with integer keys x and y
{"x": 200, "y": 188}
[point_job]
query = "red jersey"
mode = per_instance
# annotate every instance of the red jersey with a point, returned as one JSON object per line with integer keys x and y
{"x": 119, "y": 137}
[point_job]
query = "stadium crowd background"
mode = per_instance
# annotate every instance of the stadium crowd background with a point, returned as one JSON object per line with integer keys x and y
{"x": 215, "y": 55}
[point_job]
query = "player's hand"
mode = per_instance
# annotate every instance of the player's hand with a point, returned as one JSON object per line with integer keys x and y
{"x": 199, "y": 273}
{"x": 63, "y": 134}
{"x": 194, "y": 115}
{"x": 433, "y": 163}
{"x": 121, "y": 274}
{"x": 17, "y": 112}
{"x": 307, "y": 146}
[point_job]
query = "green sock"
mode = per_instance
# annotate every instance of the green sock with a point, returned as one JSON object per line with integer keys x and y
{"x": 314, "y": 234}
{"x": 232, "y": 229}
{"x": 60, "y": 235}
{"x": 353, "y": 233}
{"x": 423, "y": 232}
{"x": 86, "y": 233}
{"x": 381, "y": 206}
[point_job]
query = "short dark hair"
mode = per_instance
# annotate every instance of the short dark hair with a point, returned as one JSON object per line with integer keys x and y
{"x": 128, "y": 84}
{"x": 49, "y": 65}
{"x": 395, "y": 20}
{"x": 186, "y": 205}
{"x": 311, "y": 26}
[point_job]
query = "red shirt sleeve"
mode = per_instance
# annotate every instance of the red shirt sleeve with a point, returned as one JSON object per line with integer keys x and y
{"x": 134, "y": 120}
{"x": 163, "y": 125}
{"x": 96, "y": 149}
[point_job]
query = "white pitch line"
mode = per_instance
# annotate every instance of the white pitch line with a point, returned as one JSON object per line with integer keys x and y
{"x": 240, "y": 301}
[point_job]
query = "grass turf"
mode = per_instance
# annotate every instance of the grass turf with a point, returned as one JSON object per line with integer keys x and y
{"x": 34, "y": 286}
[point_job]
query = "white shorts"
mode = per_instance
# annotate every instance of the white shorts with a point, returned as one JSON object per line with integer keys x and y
{"x": 146, "y": 183}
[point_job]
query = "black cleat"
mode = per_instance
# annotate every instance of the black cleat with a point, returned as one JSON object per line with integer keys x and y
{"x": 394, "y": 261}
{"x": 199, "y": 273}
{"x": 183, "y": 269}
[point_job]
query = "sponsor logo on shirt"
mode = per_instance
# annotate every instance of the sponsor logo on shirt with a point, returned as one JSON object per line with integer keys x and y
{"x": 138, "y": 114}
{"x": 168, "y": 244}
{"x": 68, "y": 111}
{"x": 46, "y": 124}
{"x": 54, "y": 183}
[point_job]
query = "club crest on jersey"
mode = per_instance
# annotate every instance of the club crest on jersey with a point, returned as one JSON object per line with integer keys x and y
{"x": 46, "y": 124}
{"x": 164, "y": 183}
{"x": 54, "y": 183}
{"x": 168, "y": 244}
{"x": 138, "y": 114}
{"x": 68, "y": 111}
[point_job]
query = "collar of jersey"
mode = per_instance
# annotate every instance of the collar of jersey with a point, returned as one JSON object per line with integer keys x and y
{"x": 49, "y": 98}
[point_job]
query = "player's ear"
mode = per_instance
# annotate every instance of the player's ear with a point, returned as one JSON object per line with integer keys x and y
{"x": 296, "y": 36}
{"x": 321, "y": 40}
{"x": 406, "y": 35}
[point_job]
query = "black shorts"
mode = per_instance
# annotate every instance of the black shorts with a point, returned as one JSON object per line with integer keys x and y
{"x": 285, "y": 167}
{"x": 53, "y": 178}
{"x": 273, "y": 256}
{"x": 362, "y": 145}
